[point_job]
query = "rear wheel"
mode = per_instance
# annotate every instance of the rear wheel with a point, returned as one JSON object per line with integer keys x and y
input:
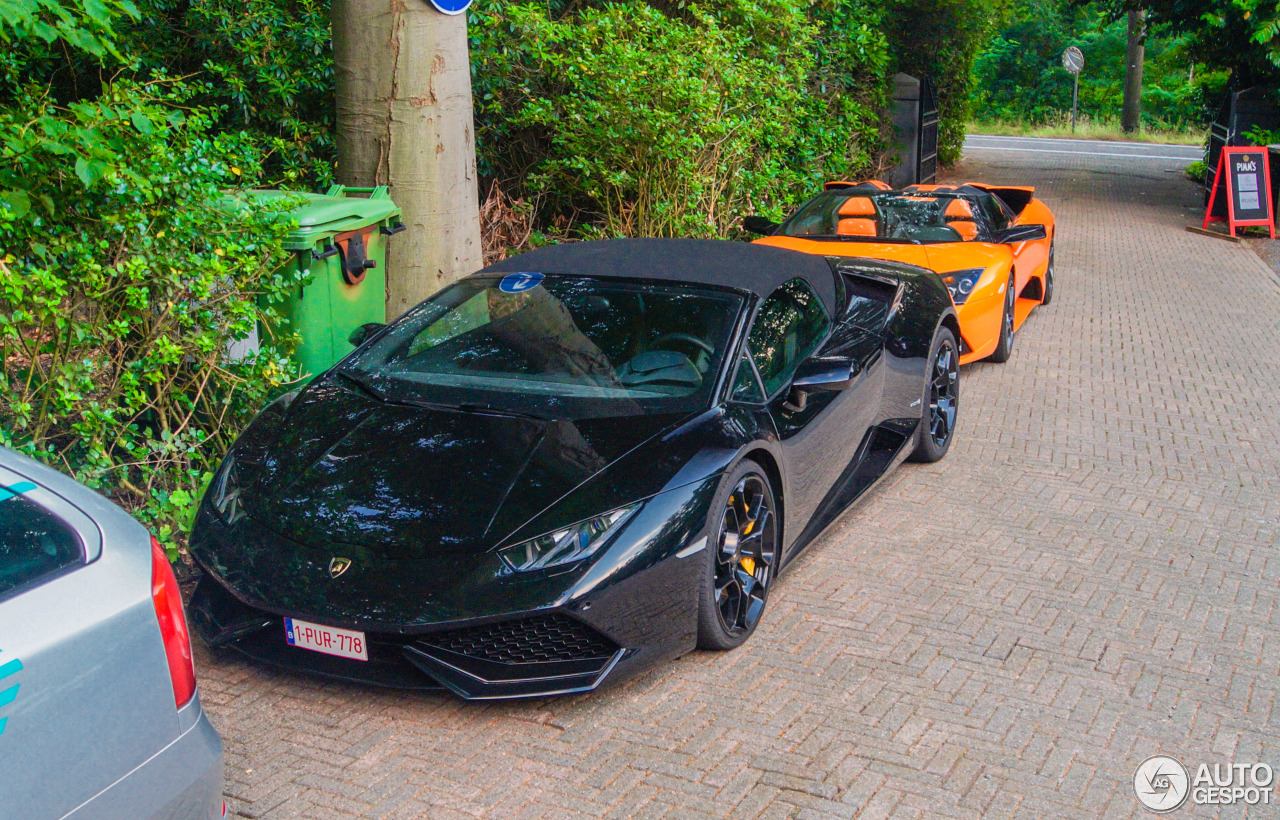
{"x": 742, "y": 558}
{"x": 1004, "y": 348}
{"x": 941, "y": 400}
{"x": 1048, "y": 279}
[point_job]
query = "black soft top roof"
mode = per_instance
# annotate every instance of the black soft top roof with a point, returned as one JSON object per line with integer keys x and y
{"x": 754, "y": 268}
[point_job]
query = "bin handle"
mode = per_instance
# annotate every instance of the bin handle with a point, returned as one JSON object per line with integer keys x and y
{"x": 393, "y": 230}
{"x": 376, "y": 192}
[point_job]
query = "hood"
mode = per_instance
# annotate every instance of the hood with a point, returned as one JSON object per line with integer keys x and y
{"x": 408, "y": 481}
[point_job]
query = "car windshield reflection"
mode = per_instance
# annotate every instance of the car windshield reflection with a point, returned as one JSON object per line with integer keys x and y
{"x": 504, "y": 342}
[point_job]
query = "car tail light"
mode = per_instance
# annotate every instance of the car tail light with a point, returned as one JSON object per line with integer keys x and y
{"x": 167, "y": 599}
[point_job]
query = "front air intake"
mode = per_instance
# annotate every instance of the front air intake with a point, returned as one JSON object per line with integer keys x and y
{"x": 537, "y": 655}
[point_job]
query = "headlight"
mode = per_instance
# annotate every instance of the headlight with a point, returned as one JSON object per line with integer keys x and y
{"x": 961, "y": 282}
{"x": 225, "y": 491}
{"x": 567, "y": 545}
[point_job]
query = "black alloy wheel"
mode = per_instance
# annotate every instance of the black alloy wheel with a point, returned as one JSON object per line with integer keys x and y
{"x": 1004, "y": 348}
{"x": 941, "y": 400}
{"x": 743, "y": 559}
{"x": 1048, "y": 279}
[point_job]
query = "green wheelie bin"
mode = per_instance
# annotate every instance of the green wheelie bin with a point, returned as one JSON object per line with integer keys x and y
{"x": 341, "y": 240}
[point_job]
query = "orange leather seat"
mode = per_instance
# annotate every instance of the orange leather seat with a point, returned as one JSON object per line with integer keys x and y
{"x": 959, "y": 217}
{"x": 861, "y": 206}
{"x": 856, "y": 226}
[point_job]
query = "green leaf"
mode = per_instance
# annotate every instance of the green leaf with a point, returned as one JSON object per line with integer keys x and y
{"x": 18, "y": 202}
{"x": 142, "y": 122}
{"x": 82, "y": 171}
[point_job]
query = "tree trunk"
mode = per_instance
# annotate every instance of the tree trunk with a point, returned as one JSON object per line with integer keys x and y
{"x": 1131, "y": 113}
{"x": 405, "y": 120}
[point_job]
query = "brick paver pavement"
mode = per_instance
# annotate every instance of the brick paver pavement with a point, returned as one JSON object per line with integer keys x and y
{"x": 1090, "y": 577}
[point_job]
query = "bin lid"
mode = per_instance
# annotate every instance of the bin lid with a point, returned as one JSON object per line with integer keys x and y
{"x": 321, "y": 216}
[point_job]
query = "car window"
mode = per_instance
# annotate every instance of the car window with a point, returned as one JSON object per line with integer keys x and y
{"x": 788, "y": 327}
{"x": 34, "y": 543}
{"x": 746, "y": 385}
{"x": 997, "y": 218}
{"x": 531, "y": 342}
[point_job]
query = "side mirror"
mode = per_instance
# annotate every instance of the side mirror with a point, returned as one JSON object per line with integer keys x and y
{"x": 361, "y": 334}
{"x": 828, "y": 373}
{"x": 1019, "y": 233}
{"x": 759, "y": 224}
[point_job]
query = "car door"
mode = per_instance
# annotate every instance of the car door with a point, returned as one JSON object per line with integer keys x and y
{"x": 820, "y": 439}
{"x": 84, "y": 684}
{"x": 1028, "y": 257}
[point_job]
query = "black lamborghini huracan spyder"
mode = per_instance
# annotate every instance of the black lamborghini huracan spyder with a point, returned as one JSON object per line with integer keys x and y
{"x": 572, "y": 464}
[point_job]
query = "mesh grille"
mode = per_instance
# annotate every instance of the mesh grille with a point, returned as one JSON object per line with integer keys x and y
{"x": 529, "y": 640}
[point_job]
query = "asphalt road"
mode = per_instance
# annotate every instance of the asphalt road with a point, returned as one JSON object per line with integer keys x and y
{"x": 978, "y": 146}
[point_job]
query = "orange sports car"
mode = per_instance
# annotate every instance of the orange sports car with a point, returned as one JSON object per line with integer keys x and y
{"x": 992, "y": 246}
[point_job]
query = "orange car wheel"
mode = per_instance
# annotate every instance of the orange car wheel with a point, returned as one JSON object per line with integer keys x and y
{"x": 1048, "y": 278}
{"x": 1004, "y": 348}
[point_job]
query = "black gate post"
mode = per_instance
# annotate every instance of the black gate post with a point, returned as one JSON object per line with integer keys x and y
{"x": 906, "y": 127}
{"x": 927, "y": 146}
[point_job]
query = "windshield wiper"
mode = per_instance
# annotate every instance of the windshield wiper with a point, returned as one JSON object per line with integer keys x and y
{"x": 472, "y": 407}
{"x": 465, "y": 407}
{"x": 362, "y": 383}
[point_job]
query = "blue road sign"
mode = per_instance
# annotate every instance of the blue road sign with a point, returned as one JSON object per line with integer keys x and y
{"x": 451, "y": 6}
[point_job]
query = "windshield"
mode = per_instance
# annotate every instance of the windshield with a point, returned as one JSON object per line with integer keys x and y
{"x": 554, "y": 345}
{"x": 902, "y": 216}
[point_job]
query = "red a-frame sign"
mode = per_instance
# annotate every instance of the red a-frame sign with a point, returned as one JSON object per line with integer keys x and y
{"x": 1244, "y": 174}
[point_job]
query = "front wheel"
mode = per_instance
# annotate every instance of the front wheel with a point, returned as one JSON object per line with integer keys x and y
{"x": 741, "y": 558}
{"x": 1004, "y": 348}
{"x": 941, "y": 400}
{"x": 1048, "y": 279}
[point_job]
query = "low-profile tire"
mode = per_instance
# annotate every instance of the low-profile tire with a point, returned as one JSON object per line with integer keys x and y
{"x": 1048, "y": 279}
{"x": 1004, "y": 348}
{"x": 941, "y": 399}
{"x": 741, "y": 558}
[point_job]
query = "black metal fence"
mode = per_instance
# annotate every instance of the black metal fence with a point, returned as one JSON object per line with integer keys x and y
{"x": 1240, "y": 111}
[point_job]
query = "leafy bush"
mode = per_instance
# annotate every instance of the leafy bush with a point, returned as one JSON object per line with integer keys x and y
{"x": 122, "y": 281}
{"x": 940, "y": 38}
{"x": 643, "y": 123}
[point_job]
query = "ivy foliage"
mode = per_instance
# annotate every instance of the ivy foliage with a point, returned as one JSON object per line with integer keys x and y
{"x": 122, "y": 279}
{"x": 941, "y": 38}
{"x": 656, "y": 120}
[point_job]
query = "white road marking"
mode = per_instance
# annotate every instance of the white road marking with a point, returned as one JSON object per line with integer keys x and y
{"x": 1085, "y": 153}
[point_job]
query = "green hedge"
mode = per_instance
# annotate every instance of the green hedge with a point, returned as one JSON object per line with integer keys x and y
{"x": 122, "y": 282}
{"x": 631, "y": 121}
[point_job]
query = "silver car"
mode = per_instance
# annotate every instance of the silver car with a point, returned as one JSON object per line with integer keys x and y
{"x": 99, "y": 715}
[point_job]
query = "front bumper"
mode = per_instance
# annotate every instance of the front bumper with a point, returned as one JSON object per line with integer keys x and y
{"x": 477, "y": 635}
{"x": 539, "y": 654}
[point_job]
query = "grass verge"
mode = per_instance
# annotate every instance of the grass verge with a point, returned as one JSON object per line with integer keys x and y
{"x": 1087, "y": 128}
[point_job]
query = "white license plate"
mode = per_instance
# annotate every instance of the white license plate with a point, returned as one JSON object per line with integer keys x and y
{"x": 345, "y": 643}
